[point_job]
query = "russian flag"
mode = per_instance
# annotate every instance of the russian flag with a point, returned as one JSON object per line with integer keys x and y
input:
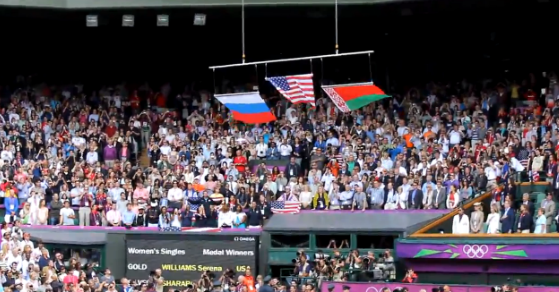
{"x": 247, "y": 107}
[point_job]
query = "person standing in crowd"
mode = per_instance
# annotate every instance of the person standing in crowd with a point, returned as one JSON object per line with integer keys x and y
{"x": 477, "y": 219}
{"x": 460, "y": 223}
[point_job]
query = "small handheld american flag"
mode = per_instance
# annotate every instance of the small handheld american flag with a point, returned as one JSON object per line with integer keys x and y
{"x": 285, "y": 207}
{"x": 535, "y": 176}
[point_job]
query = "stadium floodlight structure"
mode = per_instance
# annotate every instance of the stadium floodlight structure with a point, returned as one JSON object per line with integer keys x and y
{"x": 91, "y": 21}
{"x": 128, "y": 20}
{"x": 199, "y": 19}
{"x": 162, "y": 20}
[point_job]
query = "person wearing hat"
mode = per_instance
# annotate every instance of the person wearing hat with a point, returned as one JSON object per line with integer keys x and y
{"x": 477, "y": 219}
{"x": 460, "y": 223}
{"x": 153, "y": 214}
{"x": 331, "y": 287}
{"x": 141, "y": 217}
{"x": 266, "y": 287}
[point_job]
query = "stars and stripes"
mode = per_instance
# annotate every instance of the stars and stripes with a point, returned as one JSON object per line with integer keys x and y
{"x": 285, "y": 207}
{"x": 295, "y": 88}
{"x": 535, "y": 176}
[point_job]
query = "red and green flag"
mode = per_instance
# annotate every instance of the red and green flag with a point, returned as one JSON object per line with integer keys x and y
{"x": 349, "y": 97}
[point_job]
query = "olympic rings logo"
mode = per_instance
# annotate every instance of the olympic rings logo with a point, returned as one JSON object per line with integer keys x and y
{"x": 374, "y": 289}
{"x": 475, "y": 251}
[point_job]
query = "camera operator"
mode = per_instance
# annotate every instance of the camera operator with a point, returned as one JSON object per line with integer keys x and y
{"x": 302, "y": 266}
{"x": 206, "y": 280}
{"x": 227, "y": 279}
{"x": 323, "y": 270}
{"x": 385, "y": 263}
{"x": 355, "y": 264}
{"x": 156, "y": 279}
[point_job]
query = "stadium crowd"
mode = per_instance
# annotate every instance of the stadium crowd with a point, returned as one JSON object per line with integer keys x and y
{"x": 67, "y": 155}
{"x": 73, "y": 157}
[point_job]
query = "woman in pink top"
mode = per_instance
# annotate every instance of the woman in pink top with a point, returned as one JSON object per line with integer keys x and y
{"x": 210, "y": 184}
{"x": 141, "y": 194}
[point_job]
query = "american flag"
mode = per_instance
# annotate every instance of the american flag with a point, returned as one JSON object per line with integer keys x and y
{"x": 296, "y": 88}
{"x": 285, "y": 207}
{"x": 523, "y": 157}
{"x": 535, "y": 176}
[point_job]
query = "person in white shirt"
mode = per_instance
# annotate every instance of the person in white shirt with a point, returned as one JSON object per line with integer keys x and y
{"x": 491, "y": 173}
{"x": 261, "y": 149}
{"x": 26, "y": 241}
{"x": 285, "y": 150}
{"x": 392, "y": 198}
{"x": 175, "y": 196}
{"x": 165, "y": 148}
{"x": 386, "y": 162}
{"x": 7, "y": 155}
{"x": 92, "y": 157}
{"x": 460, "y": 223}
{"x": 516, "y": 165}
{"x": 15, "y": 257}
{"x": 291, "y": 114}
{"x": 305, "y": 197}
{"x": 225, "y": 217}
{"x": 438, "y": 158}
{"x": 455, "y": 136}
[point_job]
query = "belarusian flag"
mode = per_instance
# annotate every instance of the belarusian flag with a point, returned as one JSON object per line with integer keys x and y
{"x": 349, "y": 97}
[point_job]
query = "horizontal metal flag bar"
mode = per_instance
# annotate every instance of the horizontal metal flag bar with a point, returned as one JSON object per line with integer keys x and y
{"x": 291, "y": 59}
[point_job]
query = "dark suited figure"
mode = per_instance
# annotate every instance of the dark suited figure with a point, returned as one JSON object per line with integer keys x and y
{"x": 398, "y": 180}
{"x": 525, "y": 220}
{"x": 266, "y": 287}
{"x": 415, "y": 197}
{"x": 555, "y": 185}
{"x": 293, "y": 169}
{"x": 439, "y": 196}
{"x": 507, "y": 219}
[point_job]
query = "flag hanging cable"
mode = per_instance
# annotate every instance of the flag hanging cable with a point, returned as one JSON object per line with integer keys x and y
{"x": 292, "y": 59}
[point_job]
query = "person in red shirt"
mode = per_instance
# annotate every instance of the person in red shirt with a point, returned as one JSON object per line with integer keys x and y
{"x": 111, "y": 129}
{"x": 70, "y": 278}
{"x": 249, "y": 281}
{"x": 410, "y": 277}
{"x": 135, "y": 100}
{"x": 530, "y": 95}
{"x": 240, "y": 162}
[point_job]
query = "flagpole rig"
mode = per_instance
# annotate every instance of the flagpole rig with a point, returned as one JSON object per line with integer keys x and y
{"x": 291, "y": 59}
{"x": 243, "y": 29}
{"x": 336, "y": 24}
